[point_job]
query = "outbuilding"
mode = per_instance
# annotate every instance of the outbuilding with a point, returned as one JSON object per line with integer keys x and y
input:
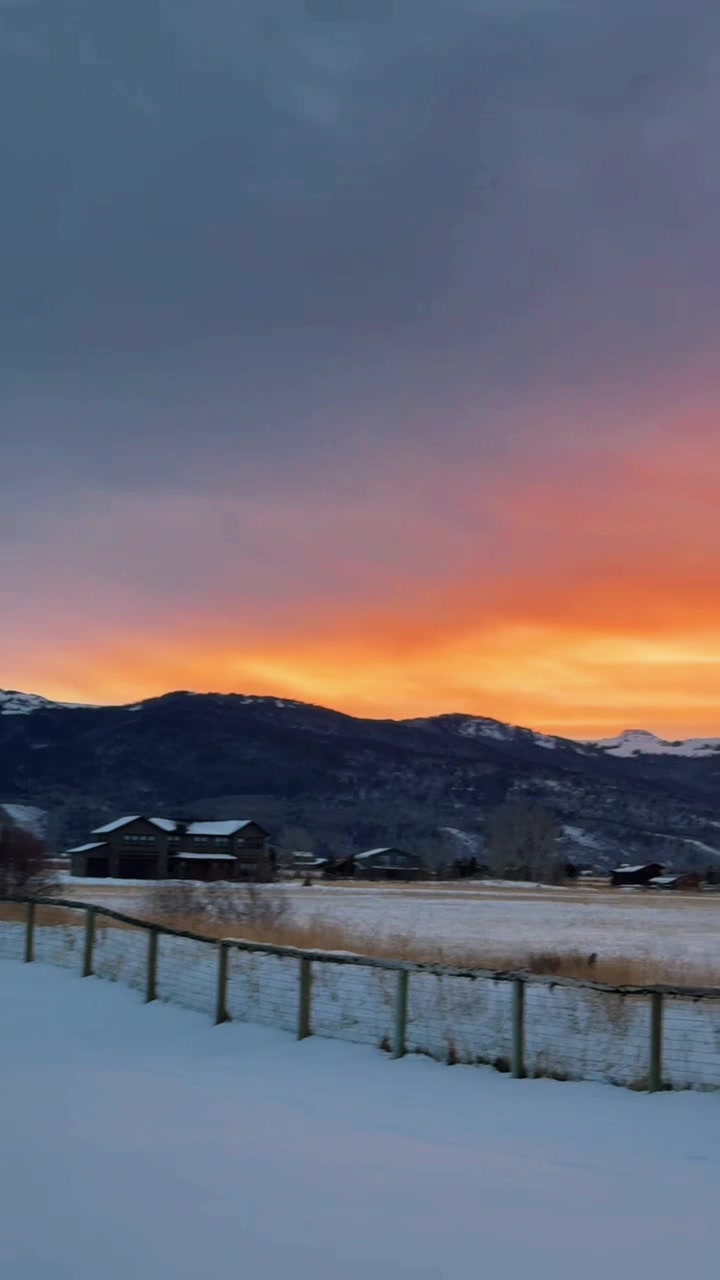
{"x": 685, "y": 880}
{"x": 640, "y": 875}
{"x": 388, "y": 864}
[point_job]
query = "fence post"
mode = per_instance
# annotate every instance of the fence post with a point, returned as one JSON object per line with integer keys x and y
{"x": 89, "y": 941}
{"x": 303, "y": 1030}
{"x": 151, "y": 980}
{"x": 30, "y": 933}
{"x": 400, "y": 1021}
{"x": 518, "y": 1029}
{"x": 221, "y": 1013}
{"x": 656, "y": 1043}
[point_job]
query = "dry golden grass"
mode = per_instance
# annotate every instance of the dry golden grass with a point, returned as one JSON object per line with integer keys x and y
{"x": 16, "y": 913}
{"x": 320, "y": 935}
{"x": 329, "y": 935}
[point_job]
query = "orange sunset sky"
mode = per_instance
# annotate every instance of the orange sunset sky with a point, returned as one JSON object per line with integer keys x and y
{"x": 577, "y": 593}
{"x": 366, "y": 357}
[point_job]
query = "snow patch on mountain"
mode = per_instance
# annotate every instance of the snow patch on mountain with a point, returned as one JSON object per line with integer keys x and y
{"x": 578, "y": 836}
{"x": 479, "y": 727}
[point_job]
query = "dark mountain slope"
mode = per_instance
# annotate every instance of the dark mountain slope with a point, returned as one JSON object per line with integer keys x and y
{"x": 343, "y": 782}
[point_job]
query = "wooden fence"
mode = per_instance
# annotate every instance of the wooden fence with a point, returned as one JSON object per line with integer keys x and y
{"x": 637, "y": 1013}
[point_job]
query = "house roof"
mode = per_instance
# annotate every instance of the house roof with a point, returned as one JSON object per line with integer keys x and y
{"x": 633, "y": 870}
{"x": 224, "y": 827}
{"x": 165, "y": 824}
{"x": 85, "y": 848}
{"x": 370, "y": 853}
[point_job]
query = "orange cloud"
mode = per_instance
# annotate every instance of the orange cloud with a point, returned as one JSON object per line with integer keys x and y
{"x": 576, "y": 592}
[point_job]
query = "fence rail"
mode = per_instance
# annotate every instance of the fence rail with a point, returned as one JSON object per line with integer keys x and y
{"x": 643, "y": 1037}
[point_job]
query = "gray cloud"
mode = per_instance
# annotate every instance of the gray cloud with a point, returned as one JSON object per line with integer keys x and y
{"x": 231, "y": 229}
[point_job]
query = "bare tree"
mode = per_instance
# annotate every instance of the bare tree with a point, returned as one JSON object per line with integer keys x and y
{"x": 295, "y": 839}
{"x": 24, "y": 869}
{"x": 523, "y": 842}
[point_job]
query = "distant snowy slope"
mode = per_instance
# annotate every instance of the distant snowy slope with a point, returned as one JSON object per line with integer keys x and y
{"x": 13, "y": 703}
{"x": 28, "y": 817}
{"x": 638, "y": 742}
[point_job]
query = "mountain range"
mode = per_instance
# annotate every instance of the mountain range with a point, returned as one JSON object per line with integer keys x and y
{"x": 333, "y": 782}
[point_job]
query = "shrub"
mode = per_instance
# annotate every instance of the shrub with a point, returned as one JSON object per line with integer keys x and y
{"x": 217, "y": 903}
{"x": 24, "y": 869}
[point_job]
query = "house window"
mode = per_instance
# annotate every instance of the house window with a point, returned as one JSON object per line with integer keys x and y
{"x": 139, "y": 842}
{"x": 221, "y": 841}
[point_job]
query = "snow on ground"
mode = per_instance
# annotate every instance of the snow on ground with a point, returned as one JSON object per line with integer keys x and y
{"x": 144, "y": 1142}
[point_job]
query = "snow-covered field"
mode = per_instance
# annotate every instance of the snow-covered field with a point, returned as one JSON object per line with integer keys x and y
{"x": 505, "y": 921}
{"x": 141, "y": 1141}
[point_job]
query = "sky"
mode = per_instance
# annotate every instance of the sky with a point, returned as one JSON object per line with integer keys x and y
{"x": 364, "y": 352}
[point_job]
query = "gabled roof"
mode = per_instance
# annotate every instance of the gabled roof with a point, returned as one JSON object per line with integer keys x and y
{"x": 222, "y": 827}
{"x": 114, "y": 826}
{"x": 164, "y": 824}
{"x": 85, "y": 848}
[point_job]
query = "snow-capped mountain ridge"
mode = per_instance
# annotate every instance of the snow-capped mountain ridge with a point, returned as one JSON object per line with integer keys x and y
{"x": 639, "y": 742}
{"x": 630, "y": 743}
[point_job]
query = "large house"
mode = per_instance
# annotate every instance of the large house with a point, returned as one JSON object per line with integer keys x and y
{"x": 139, "y": 848}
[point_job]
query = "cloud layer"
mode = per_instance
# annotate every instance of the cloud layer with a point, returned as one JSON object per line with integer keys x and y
{"x": 364, "y": 352}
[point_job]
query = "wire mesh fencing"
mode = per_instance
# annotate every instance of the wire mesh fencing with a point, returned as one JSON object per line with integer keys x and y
{"x": 581, "y": 1033}
{"x": 691, "y": 1042}
{"x": 120, "y": 953}
{"x": 12, "y": 931}
{"x": 460, "y": 1018}
{"x": 353, "y": 1002}
{"x": 262, "y": 988}
{"x": 186, "y": 972}
{"x": 58, "y": 936}
{"x": 641, "y": 1038}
